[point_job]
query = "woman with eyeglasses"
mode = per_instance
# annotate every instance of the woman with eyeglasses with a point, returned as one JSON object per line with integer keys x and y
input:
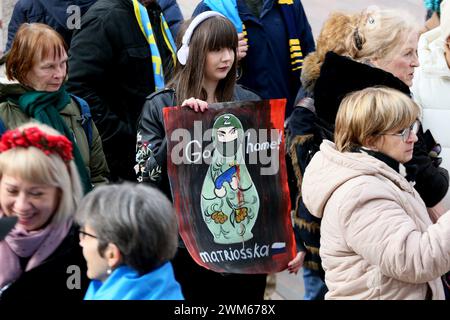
{"x": 39, "y": 184}
{"x": 381, "y": 50}
{"x": 373, "y": 47}
{"x": 377, "y": 239}
{"x": 129, "y": 235}
{"x": 37, "y": 68}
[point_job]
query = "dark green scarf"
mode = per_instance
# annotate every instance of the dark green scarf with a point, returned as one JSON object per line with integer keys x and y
{"x": 45, "y": 107}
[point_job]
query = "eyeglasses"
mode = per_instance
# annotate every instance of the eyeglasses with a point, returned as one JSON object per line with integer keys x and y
{"x": 83, "y": 234}
{"x": 406, "y": 133}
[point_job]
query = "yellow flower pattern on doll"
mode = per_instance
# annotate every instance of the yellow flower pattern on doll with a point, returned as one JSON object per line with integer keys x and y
{"x": 219, "y": 217}
{"x": 240, "y": 214}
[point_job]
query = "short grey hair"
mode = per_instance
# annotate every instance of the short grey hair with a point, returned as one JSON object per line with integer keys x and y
{"x": 138, "y": 219}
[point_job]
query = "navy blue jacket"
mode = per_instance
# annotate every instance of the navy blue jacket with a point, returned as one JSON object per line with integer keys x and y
{"x": 267, "y": 67}
{"x": 172, "y": 14}
{"x": 51, "y": 12}
{"x": 54, "y": 13}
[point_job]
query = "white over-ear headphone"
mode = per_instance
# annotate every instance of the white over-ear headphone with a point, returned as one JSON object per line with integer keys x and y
{"x": 183, "y": 53}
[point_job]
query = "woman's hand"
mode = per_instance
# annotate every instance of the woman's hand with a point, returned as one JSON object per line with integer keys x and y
{"x": 195, "y": 104}
{"x": 242, "y": 47}
{"x": 295, "y": 264}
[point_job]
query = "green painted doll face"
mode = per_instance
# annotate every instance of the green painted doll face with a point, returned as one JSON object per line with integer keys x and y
{"x": 228, "y": 135}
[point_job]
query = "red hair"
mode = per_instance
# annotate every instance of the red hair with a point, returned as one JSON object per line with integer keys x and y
{"x": 32, "y": 43}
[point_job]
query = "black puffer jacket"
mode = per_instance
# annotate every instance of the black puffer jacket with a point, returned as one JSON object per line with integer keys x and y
{"x": 339, "y": 76}
{"x": 110, "y": 66}
{"x": 151, "y": 147}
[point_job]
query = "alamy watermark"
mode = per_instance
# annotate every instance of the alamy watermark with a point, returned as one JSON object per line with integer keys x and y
{"x": 246, "y": 147}
{"x": 74, "y": 279}
{"x": 74, "y": 19}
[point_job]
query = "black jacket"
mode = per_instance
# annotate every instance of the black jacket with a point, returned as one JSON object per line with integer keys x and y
{"x": 339, "y": 76}
{"x": 49, "y": 280}
{"x": 152, "y": 145}
{"x": 305, "y": 132}
{"x": 110, "y": 66}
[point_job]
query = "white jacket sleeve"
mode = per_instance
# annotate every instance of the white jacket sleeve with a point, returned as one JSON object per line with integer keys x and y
{"x": 377, "y": 228}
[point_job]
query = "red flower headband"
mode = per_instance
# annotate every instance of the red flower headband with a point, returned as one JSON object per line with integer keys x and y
{"x": 34, "y": 137}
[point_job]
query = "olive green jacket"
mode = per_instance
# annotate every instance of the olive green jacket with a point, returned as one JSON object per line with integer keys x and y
{"x": 93, "y": 157}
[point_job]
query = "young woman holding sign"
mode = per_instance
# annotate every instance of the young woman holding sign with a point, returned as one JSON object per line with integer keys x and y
{"x": 206, "y": 74}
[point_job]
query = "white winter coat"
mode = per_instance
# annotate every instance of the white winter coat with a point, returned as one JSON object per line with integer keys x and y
{"x": 377, "y": 240}
{"x": 431, "y": 90}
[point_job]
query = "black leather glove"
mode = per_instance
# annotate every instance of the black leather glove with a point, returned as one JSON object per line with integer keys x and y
{"x": 433, "y": 148}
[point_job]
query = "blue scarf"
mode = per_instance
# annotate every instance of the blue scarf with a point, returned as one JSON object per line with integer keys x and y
{"x": 229, "y": 9}
{"x": 124, "y": 283}
{"x": 146, "y": 27}
{"x": 434, "y": 5}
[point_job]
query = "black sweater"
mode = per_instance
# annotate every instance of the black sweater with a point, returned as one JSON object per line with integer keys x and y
{"x": 49, "y": 281}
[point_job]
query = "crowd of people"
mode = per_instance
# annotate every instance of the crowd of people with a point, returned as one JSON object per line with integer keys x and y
{"x": 84, "y": 153}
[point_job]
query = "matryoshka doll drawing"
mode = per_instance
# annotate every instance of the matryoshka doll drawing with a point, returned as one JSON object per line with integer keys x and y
{"x": 229, "y": 199}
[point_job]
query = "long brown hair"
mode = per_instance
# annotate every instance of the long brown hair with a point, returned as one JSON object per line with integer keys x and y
{"x": 212, "y": 34}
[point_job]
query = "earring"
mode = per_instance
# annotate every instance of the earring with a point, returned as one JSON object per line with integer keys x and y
{"x": 108, "y": 271}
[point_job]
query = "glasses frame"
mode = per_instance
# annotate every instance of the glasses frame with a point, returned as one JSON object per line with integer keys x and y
{"x": 406, "y": 133}
{"x": 82, "y": 234}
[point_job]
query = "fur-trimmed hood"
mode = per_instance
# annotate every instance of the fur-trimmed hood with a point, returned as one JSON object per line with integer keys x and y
{"x": 311, "y": 71}
{"x": 333, "y": 37}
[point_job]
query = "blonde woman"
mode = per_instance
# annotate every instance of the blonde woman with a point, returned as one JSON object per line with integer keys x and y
{"x": 40, "y": 185}
{"x": 377, "y": 239}
{"x": 305, "y": 138}
{"x": 381, "y": 50}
